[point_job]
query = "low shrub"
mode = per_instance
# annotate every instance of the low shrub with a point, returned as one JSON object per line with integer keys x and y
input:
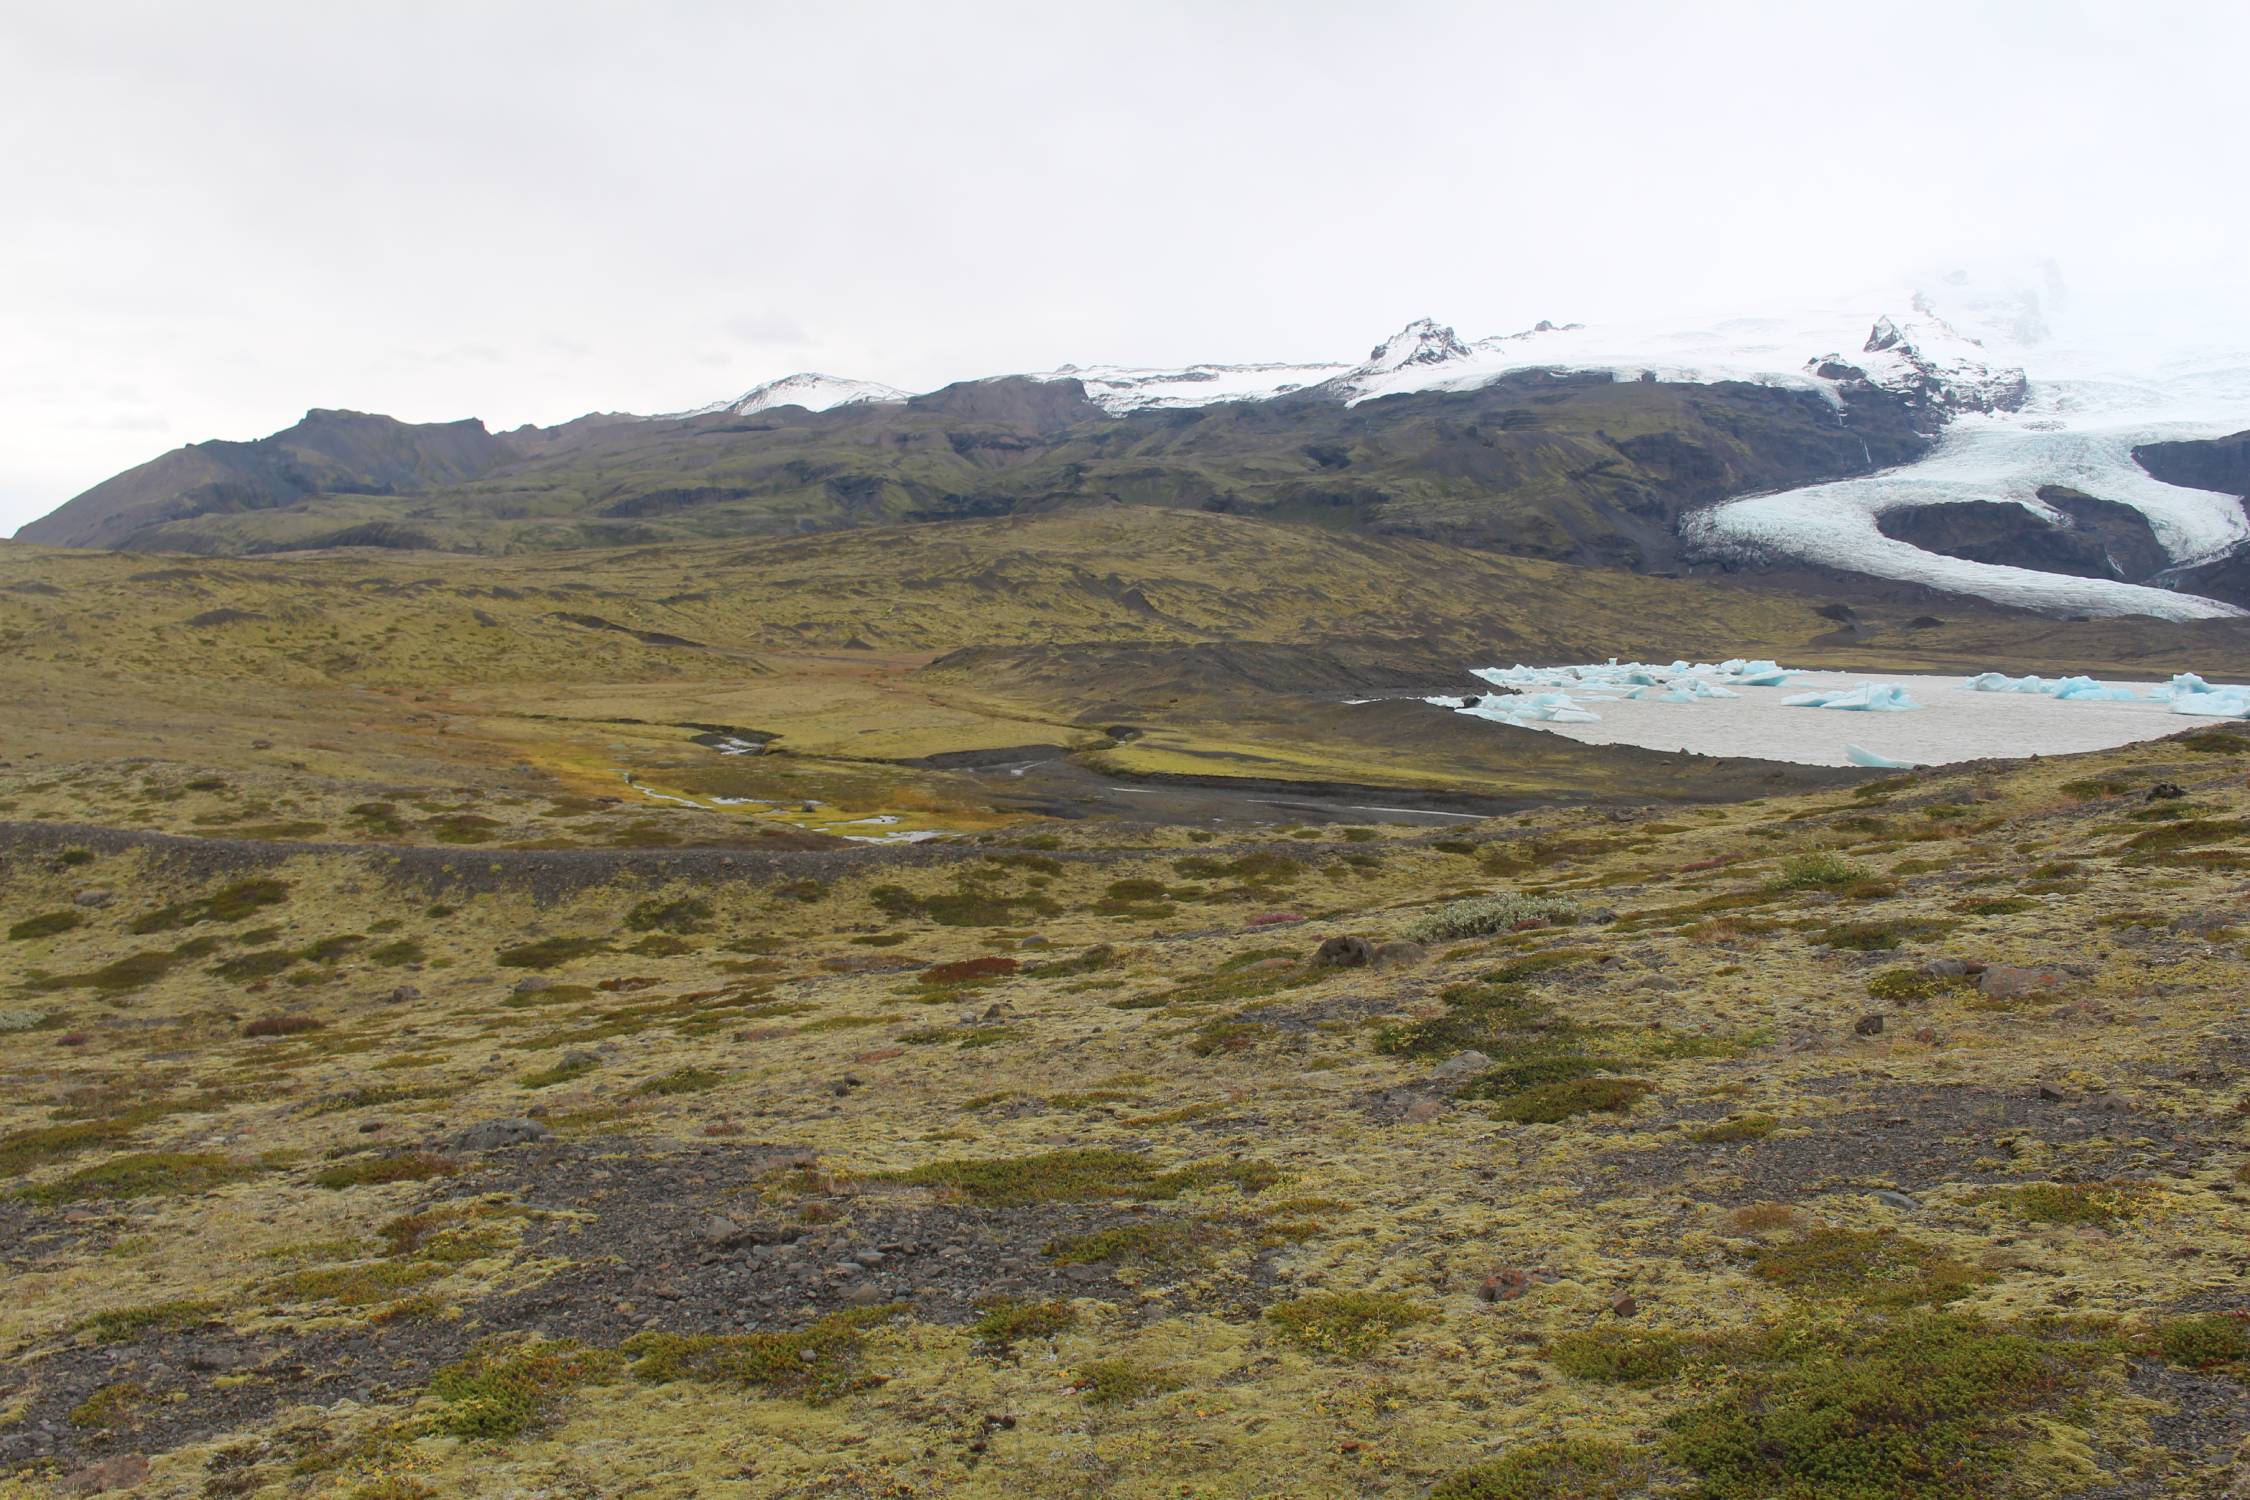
{"x": 290, "y": 1025}
{"x": 1346, "y": 1325}
{"x": 1479, "y": 916}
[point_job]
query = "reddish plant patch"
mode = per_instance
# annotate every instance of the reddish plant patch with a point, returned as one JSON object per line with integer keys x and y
{"x": 969, "y": 971}
{"x": 280, "y": 1026}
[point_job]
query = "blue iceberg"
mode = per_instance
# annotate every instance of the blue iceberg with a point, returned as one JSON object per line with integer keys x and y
{"x": 1873, "y": 697}
{"x": 2066, "y": 689}
{"x": 2190, "y": 694}
{"x": 1528, "y": 708}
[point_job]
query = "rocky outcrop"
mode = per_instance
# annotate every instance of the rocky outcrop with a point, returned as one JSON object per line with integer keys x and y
{"x": 2095, "y": 538}
{"x": 1937, "y": 372}
{"x": 2221, "y": 464}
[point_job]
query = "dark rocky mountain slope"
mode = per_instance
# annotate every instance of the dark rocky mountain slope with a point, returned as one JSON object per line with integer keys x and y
{"x": 1582, "y": 467}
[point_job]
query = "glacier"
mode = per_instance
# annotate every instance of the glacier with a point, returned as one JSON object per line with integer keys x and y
{"x": 2090, "y": 396}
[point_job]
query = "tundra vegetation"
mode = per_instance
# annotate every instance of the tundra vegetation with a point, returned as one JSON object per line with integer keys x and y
{"x": 1875, "y": 1136}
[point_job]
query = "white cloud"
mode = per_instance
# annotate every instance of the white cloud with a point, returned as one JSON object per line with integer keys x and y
{"x": 524, "y": 211}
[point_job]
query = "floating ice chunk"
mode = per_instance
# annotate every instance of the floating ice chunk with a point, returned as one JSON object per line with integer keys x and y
{"x": 1679, "y": 682}
{"x": 1755, "y": 673}
{"x": 2086, "y": 690}
{"x": 2068, "y": 689}
{"x": 1873, "y": 697}
{"x": 1694, "y": 689}
{"x": 2218, "y": 703}
{"x": 2001, "y": 682}
{"x": 1864, "y": 757}
{"x": 1530, "y": 708}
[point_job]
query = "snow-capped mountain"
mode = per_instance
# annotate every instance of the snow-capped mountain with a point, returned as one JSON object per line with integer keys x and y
{"x": 1931, "y": 365}
{"x": 810, "y": 390}
{"x": 1915, "y": 355}
{"x": 1986, "y": 362}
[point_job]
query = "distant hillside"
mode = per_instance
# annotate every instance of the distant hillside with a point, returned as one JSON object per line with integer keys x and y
{"x": 328, "y": 453}
{"x": 1583, "y": 467}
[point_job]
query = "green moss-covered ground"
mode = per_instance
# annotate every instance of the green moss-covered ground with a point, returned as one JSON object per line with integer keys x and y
{"x": 1053, "y": 1165}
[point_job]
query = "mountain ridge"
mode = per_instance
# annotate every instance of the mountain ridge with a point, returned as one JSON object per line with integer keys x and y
{"x": 1748, "y": 443}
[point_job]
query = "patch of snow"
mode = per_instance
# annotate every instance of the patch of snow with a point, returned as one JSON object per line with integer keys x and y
{"x": 1118, "y": 389}
{"x": 810, "y": 390}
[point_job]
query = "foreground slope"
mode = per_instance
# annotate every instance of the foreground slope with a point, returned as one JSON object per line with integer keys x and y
{"x": 1876, "y": 1142}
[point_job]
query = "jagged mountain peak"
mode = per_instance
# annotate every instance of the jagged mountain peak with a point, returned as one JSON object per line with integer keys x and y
{"x": 1425, "y": 341}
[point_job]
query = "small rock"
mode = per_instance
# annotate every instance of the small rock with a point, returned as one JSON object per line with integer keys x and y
{"x": 1422, "y": 1110}
{"x": 403, "y": 995}
{"x": 1345, "y": 953}
{"x": 1460, "y": 1067}
{"x": 1033, "y": 941}
{"x": 2051, "y": 1094}
{"x": 118, "y": 1473}
{"x": 1400, "y": 955}
{"x": 491, "y": 1135}
{"x": 93, "y": 895}
{"x": 1894, "y": 1198}
{"x": 1624, "y": 1305}
{"x": 1505, "y": 1285}
{"x": 1868, "y": 1025}
{"x": 863, "y": 1294}
{"x": 2165, "y": 791}
{"x": 2004, "y": 982}
{"x": 578, "y": 1058}
{"x": 1950, "y": 968}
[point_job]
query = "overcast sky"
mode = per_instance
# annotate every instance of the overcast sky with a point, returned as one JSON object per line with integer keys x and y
{"x": 220, "y": 214}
